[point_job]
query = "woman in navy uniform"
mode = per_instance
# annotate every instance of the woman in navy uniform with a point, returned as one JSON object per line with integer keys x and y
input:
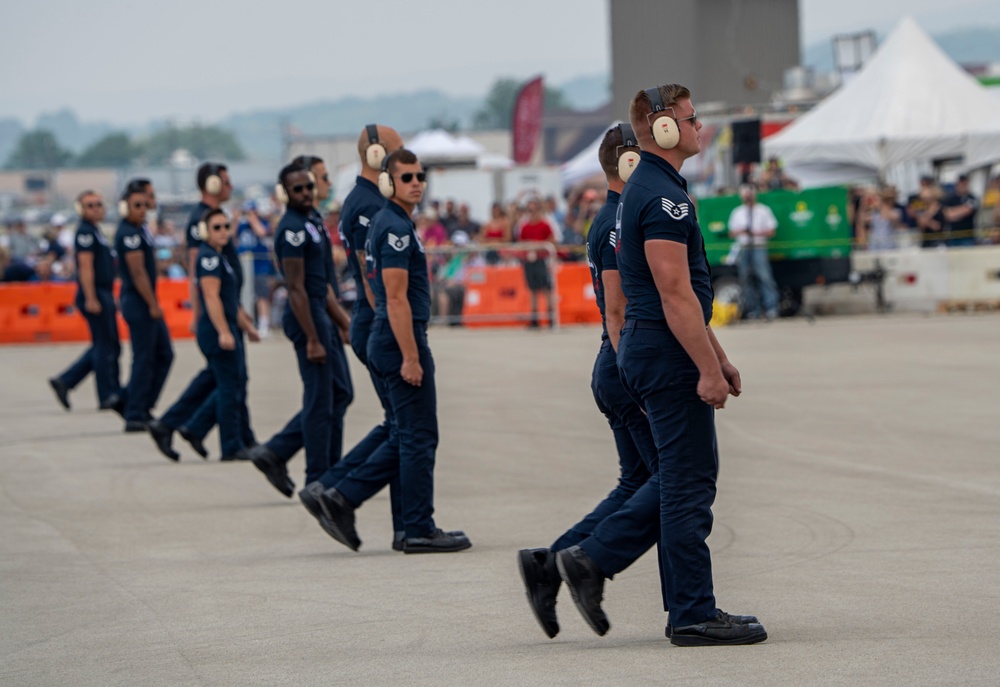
{"x": 95, "y": 277}
{"x": 217, "y": 329}
{"x": 152, "y": 354}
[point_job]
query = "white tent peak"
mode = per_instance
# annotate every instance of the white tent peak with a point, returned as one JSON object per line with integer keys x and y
{"x": 909, "y": 102}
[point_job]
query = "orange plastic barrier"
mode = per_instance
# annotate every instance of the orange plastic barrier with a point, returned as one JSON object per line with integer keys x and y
{"x": 498, "y": 296}
{"x": 46, "y": 312}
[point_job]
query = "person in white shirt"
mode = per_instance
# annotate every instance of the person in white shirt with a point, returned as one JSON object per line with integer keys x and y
{"x": 752, "y": 224}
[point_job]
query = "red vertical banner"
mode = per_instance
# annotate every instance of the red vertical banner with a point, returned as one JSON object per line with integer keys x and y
{"x": 526, "y": 122}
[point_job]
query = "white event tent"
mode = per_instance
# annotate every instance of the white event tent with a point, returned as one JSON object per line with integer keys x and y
{"x": 909, "y": 106}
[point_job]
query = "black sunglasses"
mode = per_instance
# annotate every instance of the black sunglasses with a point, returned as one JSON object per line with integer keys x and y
{"x": 140, "y": 204}
{"x": 219, "y": 227}
{"x": 93, "y": 205}
{"x": 407, "y": 177}
{"x": 298, "y": 188}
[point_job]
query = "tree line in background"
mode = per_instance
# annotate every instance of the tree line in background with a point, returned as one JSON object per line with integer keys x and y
{"x": 40, "y": 149}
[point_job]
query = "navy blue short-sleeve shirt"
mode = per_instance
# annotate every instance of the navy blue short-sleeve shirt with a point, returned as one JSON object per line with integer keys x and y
{"x": 601, "y": 249}
{"x": 393, "y": 242}
{"x": 298, "y": 236}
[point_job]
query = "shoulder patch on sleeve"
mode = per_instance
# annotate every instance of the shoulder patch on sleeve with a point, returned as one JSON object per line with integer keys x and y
{"x": 363, "y": 221}
{"x": 85, "y": 240}
{"x": 399, "y": 243}
{"x": 194, "y": 232}
{"x": 676, "y": 210}
{"x": 295, "y": 238}
{"x": 613, "y": 238}
{"x": 132, "y": 241}
{"x": 210, "y": 262}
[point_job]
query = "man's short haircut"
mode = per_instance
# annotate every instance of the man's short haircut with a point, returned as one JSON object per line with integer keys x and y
{"x": 288, "y": 170}
{"x": 307, "y": 161}
{"x": 640, "y": 107}
{"x": 402, "y": 156}
{"x": 611, "y": 148}
{"x": 208, "y": 169}
{"x": 84, "y": 194}
{"x": 135, "y": 186}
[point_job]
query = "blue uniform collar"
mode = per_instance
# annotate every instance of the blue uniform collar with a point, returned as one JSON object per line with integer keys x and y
{"x": 361, "y": 181}
{"x": 613, "y": 197}
{"x": 298, "y": 213}
{"x": 665, "y": 167}
{"x": 398, "y": 209}
{"x": 129, "y": 224}
{"x": 86, "y": 224}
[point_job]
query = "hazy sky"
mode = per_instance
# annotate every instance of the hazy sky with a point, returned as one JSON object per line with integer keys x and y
{"x": 128, "y": 62}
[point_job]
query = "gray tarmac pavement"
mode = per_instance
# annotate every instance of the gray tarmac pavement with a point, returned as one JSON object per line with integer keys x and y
{"x": 858, "y": 516}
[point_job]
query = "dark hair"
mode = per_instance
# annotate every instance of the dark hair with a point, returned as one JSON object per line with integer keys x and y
{"x": 307, "y": 161}
{"x": 135, "y": 186}
{"x": 289, "y": 169}
{"x": 208, "y": 169}
{"x": 608, "y": 153}
{"x": 84, "y": 194}
{"x": 212, "y": 212}
{"x": 402, "y": 156}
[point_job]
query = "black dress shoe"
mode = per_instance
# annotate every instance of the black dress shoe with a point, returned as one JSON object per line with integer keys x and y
{"x": 437, "y": 541}
{"x": 275, "y": 469}
{"x": 736, "y": 619}
{"x": 135, "y": 426}
{"x": 338, "y": 519}
{"x": 397, "y": 542}
{"x": 541, "y": 582}
{"x": 195, "y": 442}
{"x": 242, "y": 454}
{"x": 720, "y": 631}
{"x": 62, "y": 391}
{"x": 163, "y": 438}
{"x": 114, "y": 402}
{"x": 311, "y": 497}
{"x": 586, "y": 583}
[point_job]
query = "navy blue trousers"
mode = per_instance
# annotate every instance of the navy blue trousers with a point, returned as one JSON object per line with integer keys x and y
{"x": 102, "y": 356}
{"x": 660, "y": 374}
{"x": 409, "y": 452}
{"x": 369, "y": 478}
{"x": 229, "y": 376}
{"x": 310, "y": 428}
{"x": 633, "y": 439}
{"x": 197, "y": 391}
{"x": 152, "y": 356}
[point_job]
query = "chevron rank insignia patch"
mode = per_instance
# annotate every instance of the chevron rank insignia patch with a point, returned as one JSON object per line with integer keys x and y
{"x": 295, "y": 238}
{"x": 132, "y": 241}
{"x": 210, "y": 262}
{"x": 675, "y": 210}
{"x": 85, "y": 240}
{"x": 400, "y": 243}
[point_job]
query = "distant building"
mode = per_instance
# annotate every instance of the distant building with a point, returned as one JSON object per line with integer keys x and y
{"x": 728, "y": 53}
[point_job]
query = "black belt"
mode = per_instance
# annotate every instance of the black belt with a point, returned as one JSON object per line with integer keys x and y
{"x": 656, "y": 325}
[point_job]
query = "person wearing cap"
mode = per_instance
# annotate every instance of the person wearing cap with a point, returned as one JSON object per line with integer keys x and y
{"x": 95, "y": 278}
{"x": 751, "y": 224}
{"x": 960, "y": 208}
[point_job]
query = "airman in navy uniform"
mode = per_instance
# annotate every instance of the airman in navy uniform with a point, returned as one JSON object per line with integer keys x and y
{"x": 397, "y": 349}
{"x": 613, "y": 547}
{"x": 360, "y": 206}
{"x": 218, "y": 329}
{"x": 152, "y": 353}
{"x": 193, "y": 414}
{"x": 671, "y": 361}
{"x": 301, "y": 253}
{"x": 95, "y": 277}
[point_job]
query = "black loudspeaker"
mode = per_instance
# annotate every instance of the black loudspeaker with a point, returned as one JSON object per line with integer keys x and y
{"x": 746, "y": 141}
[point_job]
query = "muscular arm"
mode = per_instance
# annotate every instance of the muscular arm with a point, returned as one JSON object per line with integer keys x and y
{"x": 369, "y": 295}
{"x": 614, "y": 305}
{"x": 397, "y": 281}
{"x": 729, "y": 371}
{"x": 295, "y": 282}
{"x": 193, "y": 286}
{"x": 86, "y": 276}
{"x": 668, "y": 263}
{"x": 210, "y": 287}
{"x": 140, "y": 279}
